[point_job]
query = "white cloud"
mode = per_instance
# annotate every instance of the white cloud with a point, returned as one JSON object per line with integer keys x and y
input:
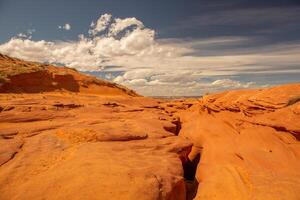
{"x": 65, "y": 27}
{"x": 22, "y": 35}
{"x": 27, "y": 34}
{"x": 101, "y": 24}
{"x": 155, "y": 66}
{"x": 122, "y": 24}
{"x": 228, "y": 83}
{"x": 175, "y": 83}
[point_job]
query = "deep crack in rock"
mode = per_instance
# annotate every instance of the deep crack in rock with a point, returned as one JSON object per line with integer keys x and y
{"x": 190, "y": 169}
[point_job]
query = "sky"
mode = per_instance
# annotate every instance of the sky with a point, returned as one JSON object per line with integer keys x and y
{"x": 160, "y": 48}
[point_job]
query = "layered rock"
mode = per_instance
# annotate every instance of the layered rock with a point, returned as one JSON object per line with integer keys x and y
{"x": 248, "y": 141}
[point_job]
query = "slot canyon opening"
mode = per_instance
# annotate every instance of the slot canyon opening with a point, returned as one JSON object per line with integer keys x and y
{"x": 190, "y": 169}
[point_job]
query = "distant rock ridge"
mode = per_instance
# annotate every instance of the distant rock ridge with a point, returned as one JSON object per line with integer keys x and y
{"x": 18, "y": 76}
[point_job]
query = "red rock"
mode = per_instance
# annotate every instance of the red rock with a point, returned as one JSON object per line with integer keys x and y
{"x": 250, "y": 143}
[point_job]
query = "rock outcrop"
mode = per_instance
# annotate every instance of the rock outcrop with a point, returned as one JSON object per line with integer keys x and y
{"x": 248, "y": 141}
{"x": 18, "y": 76}
{"x": 77, "y": 146}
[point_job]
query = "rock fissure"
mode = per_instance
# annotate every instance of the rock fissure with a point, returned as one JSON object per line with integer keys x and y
{"x": 190, "y": 164}
{"x": 190, "y": 169}
{"x": 12, "y": 155}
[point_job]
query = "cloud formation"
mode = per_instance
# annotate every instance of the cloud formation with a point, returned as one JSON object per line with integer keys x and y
{"x": 101, "y": 24}
{"x": 228, "y": 83}
{"x": 94, "y": 51}
{"x": 129, "y": 53}
{"x": 121, "y": 24}
{"x": 66, "y": 27}
{"x": 27, "y": 34}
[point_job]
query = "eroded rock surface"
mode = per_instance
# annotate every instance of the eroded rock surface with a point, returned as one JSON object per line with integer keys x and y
{"x": 249, "y": 143}
{"x": 66, "y": 146}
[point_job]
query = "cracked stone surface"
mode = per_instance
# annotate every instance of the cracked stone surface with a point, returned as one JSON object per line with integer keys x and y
{"x": 91, "y": 151}
{"x": 249, "y": 143}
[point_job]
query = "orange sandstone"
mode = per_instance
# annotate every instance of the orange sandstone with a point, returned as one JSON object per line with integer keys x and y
{"x": 65, "y": 135}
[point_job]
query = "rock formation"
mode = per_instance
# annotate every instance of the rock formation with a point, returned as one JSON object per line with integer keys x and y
{"x": 65, "y": 135}
{"x": 248, "y": 141}
{"x": 18, "y": 76}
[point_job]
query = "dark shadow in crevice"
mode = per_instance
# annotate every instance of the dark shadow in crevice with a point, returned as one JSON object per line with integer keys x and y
{"x": 190, "y": 168}
{"x": 191, "y": 189}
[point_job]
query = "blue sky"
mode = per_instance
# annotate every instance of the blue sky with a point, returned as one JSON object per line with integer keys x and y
{"x": 168, "y": 47}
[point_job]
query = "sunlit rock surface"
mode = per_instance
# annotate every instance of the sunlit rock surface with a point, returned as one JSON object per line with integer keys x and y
{"x": 248, "y": 141}
{"x": 65, "y": 135}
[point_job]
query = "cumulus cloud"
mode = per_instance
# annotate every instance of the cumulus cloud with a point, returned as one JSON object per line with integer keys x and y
{"x": 101, "y": 24}
{"x": 65, "y": 27}
{"x": 121, "y": 24}
{"x": 154, "y": 66}
{"x": 91, "y": 53}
